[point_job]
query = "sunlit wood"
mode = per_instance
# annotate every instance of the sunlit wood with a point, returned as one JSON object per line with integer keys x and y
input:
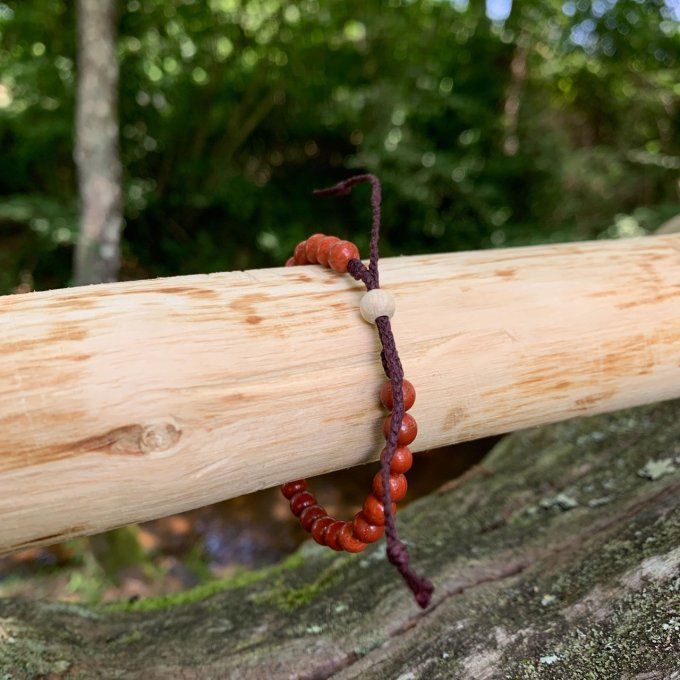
{"x": 124, "y": 402}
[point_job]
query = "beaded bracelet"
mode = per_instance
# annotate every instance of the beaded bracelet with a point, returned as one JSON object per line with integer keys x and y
{"x": 398, "y": 395}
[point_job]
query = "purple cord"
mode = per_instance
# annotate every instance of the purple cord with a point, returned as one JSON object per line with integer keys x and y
{"x": 397, "y": 552}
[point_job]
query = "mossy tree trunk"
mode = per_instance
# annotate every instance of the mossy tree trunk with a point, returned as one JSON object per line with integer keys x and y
{"x": 557, "y": 558}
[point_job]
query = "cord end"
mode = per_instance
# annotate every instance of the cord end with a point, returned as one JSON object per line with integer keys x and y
{"x": 423, "y": 593}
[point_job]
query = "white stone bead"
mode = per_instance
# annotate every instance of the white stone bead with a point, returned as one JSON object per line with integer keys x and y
{"x": 375, "y": 303}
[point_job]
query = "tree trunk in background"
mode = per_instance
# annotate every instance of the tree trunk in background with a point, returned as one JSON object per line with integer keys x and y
{"x": 558, "y": 557}
{"x": 518, "y": 25}
{"x": 513, "y": 98}
{"x": 671, "y": 226}
{"x": 97, "y": 257}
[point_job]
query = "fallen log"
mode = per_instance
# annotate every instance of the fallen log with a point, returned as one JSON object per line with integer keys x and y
{"x": 125, "y": 402}
{"x": 558, "y": 559}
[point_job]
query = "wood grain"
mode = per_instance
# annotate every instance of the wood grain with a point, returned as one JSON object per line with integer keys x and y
{"x": 124, "y": 402}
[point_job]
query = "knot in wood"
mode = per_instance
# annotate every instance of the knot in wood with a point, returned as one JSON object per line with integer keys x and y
{"x": 158, "y": 437}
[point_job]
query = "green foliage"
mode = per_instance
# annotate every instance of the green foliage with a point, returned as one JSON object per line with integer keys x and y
{"x": 554, "y": 125}
{"x": 119, "y": 549}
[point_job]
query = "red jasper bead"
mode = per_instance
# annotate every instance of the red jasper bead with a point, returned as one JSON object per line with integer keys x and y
{"x": 331, "y": 535}
{"x": 409, "y": 395}
{"x": 300, "y": 501}
{"x": 398, "y": 486}
{"x": 402, "y": 460}
{"x": 290, "y": 489}
{"x": 364, "y": 531}
{"x": 290, "y": 262}
{"x": 312, "y": 247}
{"x": 407, "y": 431}
{"x": 319, "y": 529}
{"x": 324, "y": 250}
{"x": 300, "y": 253}
{"x": 348, "y": 542}
{"x": 309, "y": 515}
{"x": 340, "y": 255}
{"x": 374, "y": 510}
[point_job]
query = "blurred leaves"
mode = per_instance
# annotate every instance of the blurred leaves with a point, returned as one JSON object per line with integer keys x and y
{"x": 548, "y": 126}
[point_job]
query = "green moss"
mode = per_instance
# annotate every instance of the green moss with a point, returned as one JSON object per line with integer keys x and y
{"x": 119, "y": 549}
{"x": 22, "y": 649}
{"x": 206, "y": 590}
{"x": 133, "y": 636}
{"x": 288, "y": 598}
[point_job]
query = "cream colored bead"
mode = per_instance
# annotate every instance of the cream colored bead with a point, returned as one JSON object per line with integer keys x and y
{"x": 375, "y": 303}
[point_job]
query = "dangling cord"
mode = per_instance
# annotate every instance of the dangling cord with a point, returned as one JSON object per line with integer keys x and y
{"x": 397, "y": 552}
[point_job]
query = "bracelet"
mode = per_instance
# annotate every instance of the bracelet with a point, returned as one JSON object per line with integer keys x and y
{"x": 397, "y": 395}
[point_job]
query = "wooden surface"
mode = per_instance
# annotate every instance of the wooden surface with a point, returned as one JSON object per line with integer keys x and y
{"x": 124, "y": 402}
{"x": 557, "y": 558}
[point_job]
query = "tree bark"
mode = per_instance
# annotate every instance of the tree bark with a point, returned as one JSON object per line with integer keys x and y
{"x": 97, "y": 257}
{"x": 557, "y": 557}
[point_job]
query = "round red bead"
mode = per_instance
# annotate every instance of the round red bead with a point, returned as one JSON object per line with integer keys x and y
{"x": 290, "y": 262}
{"x": 409, "y": 395}
{"x": 331, "y": 536}
{"x": 398, "y": 486}
{"x": 312, "y": 247}
{"x": 374, "y": 510}
{"x": 290, "y": 489}
{"x": 319, "y": 529}
{"x": 300, "y": 253}
{"x": 348, "y": 542}
{"x": 402, "y": 460}
{"x": 340, "y": 255}
{"x": 300, "y": 501}
{"x": 324, "y": 250}
{"x": 407, "y": 431}
{"x": 309, "y": 515}
{"x": 364, "y": 531}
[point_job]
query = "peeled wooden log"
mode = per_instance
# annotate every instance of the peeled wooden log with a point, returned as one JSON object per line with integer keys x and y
{"x": 557, "y": 557}
{"x": 125, "y": 402}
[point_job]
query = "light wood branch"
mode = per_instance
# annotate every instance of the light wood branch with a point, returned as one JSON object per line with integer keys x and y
{"x": 124, "y": 402}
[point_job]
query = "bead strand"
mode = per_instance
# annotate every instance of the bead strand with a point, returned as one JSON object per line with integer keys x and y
{"x": 329, "y": 251}
{"x": 368, "y": 525}
{"x": 377, "y": 516}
